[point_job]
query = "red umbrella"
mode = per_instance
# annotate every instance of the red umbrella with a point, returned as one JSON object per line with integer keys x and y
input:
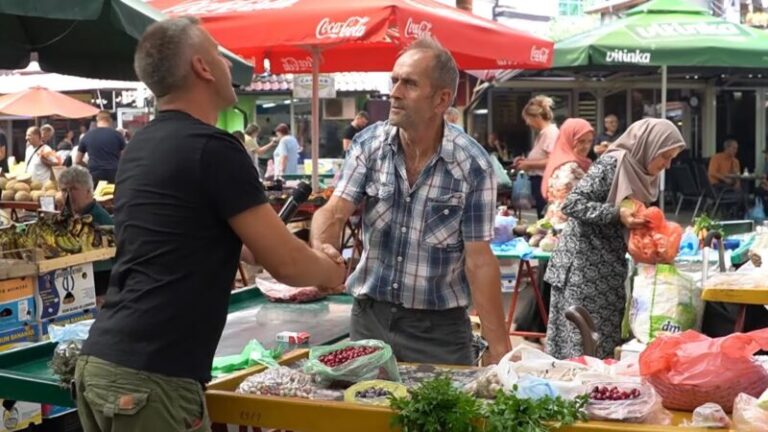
{"x": 313, "y": 36}
{"x": 41, "y": 102}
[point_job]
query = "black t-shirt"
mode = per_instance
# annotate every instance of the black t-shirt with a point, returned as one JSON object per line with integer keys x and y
{"x": 103, "y": 145}
{"x": 4, "y": 144}
{"x": 179, "y": 182}
{"x": 351, "y": 131}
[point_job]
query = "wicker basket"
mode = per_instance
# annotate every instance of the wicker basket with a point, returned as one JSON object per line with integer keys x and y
{"x": 682, "y": 397}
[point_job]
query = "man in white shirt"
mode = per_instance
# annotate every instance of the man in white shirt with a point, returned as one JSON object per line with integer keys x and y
{"x": 39, "y": 157}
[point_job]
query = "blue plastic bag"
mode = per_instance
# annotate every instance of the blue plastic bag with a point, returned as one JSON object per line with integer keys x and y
{"x": 689, "y": 244}
{"x": 757, "y": 212}
{"x": 517, "y": 246}
{"x": 529, "y": 387}
{"x": 522, "y": 199}
{"x": 502, "y": 228}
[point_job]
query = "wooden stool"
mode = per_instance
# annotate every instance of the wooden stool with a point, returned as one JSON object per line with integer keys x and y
{"x": 524, "y": 269}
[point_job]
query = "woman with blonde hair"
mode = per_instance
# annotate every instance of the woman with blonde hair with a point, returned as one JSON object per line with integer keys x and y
{"x": 538, "y": 116}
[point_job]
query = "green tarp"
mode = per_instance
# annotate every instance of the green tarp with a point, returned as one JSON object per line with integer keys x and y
{"x": 88, "y": 38}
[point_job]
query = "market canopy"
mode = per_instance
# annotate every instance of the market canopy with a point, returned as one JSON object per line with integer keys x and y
{"x": 357, "y": 36}
{"x": 41, "y": 102}
{"x": 666, "y": 33}
{"x": 87, "y": 38}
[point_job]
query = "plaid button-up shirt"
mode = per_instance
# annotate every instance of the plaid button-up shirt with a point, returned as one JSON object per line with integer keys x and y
{"x": 414, "y": 237}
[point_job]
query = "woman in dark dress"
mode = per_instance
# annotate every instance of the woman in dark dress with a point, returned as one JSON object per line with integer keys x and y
{"x": 589, "y": 266}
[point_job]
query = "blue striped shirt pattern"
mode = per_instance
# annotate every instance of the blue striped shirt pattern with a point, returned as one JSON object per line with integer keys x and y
{"x": 413, "y": 237}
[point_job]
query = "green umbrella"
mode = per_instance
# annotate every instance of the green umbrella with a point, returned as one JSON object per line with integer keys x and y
{"x": 88, "y": 38}
{"x": 666, "y": 33}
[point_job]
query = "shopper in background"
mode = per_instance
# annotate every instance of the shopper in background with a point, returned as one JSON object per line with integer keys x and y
{"x": 566, "y": 166}
{"x": 724, "y": 167}
{"x": 104, "y": 146}
{"x": 494, "y": 146}
{"x": 48, "y": 134}
{"x": 187, "y": 198}
{"x": 453, "y": 116}
{"x": 4, "y": 153}
{"x": 610, "y": 134}
{"x": 39, "y": 157}
{"x": 429, "y": 195}
{"x": 588, "y": 267}
{"x": 358, "y": 124}
{"x": 252, "y": 145}
{"x": 64, "y": 149}
{"x": 538, "y": 116}
{"x": 286, "y": 154}
{"x": 77, "y": 185}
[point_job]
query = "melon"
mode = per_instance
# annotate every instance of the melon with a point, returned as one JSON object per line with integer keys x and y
{"x": 22, "y": 196}
{"x": 8, "y": 195}
{"x": 50, "y": 185}
{"x": 21, "y": 187}
{"x": 50, "y": 193}
{"x": 24, "y": 178}
{"x": 9, "y": 185}
{"x": 3, "y": 181}
{"x": 36, "y": 185}
{"x": 36, "y": 195}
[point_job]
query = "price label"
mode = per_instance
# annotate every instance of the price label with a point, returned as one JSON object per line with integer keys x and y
{"x": 48, "y": 204}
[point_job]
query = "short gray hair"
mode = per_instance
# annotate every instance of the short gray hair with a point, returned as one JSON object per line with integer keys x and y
{"x": 453, "y": 113}
{"x": 76, "y": 176}
{"x": 47, "y": 127}
{"x": 163, "y": 52}
{"x": 445, "y": 73}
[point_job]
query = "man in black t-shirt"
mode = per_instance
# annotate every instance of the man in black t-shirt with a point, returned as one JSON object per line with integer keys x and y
{"x": 104, "y": 145}
{"x": 358, "y": 124}
{"x": 3, "y": 152}
{"x": 187, "y": 198}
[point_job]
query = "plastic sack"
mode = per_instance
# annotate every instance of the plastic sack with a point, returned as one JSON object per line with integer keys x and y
{"x": 253, "y": 353}
{"x": 663, "y": 300}
{"x": 282, "y": 293}
{"x": 75, "y": 331}
{"x": 762, "y": 401}
{"x": 486, "y": 385}
{"x": 529, "y": 387}
{"x": 638, "y": 410}
{"x": 562, "y": 375}
{"x": 502, "y": 178}
{"x": 709, "y": 415}
{"x": 747, "y": 416}
{"x": 380, "y": 364}
{"x": 689, "y": 243}
{"x": 502, "y": 228}
{"x": 517, "y": 246}
{"x": 757, "y": 212}
{"x": 522, "y": 199}
{"x": 656, "y": 243}
{"x": 279, "y": 381}
{"x": 690, "y": 369}
{"x": 70, "y": 342}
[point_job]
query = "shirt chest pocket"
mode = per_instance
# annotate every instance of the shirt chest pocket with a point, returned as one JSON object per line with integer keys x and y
{"x": 380, "y": 199}
{"x": 442, "y": 221}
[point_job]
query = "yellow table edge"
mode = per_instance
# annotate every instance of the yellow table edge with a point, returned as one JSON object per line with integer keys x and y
{"x": 753, "y": 296}
{"x": 227, "y": 407}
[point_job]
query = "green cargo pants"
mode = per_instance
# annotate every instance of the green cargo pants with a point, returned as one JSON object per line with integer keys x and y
{"x": 111, "y": 398}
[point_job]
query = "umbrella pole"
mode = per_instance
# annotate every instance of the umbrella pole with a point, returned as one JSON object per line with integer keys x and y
{"x": 315, "y": 116}
{"x": 663, "y": 116}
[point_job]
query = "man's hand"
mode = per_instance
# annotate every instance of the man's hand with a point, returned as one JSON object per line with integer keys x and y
{"x": 601, "y": 148}
{"x": 493, "y": 355}
{"x": 340, "y": 272}
{"x": 520, "y": 163}
{"x": 629, "y": 220}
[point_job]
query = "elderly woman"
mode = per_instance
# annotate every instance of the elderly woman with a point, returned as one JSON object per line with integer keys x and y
{"x": 77, "y": 185}
{"x": 566, "y": 166}
{"x": 588, "y": 267}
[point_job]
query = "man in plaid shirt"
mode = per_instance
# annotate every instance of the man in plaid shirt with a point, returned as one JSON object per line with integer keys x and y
{"x": 429, "y": 196}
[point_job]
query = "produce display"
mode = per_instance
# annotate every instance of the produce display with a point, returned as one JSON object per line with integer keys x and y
{"x": 22, "y": 188}
{"x": 279, "y": 381}
{"x": 605, "y": 393}
{"x": 376, "y": 392}
{"x": 627, "y": 402}
{"x": 55, "y": 235}
{"x": 342, "y": 356}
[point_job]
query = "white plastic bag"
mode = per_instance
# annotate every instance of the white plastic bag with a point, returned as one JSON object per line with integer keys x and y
{"x": 747, "y": 416}
{"x": 563, "y": 375}
{"x": 664, "y": 300}
{"x": 709, "y": 415}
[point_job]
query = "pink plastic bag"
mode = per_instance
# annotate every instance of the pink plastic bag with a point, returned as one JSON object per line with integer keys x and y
{"x": 690, "y": 369}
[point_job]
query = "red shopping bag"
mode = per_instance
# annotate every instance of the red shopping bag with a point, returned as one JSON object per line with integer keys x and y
{"x": 689, "y": 369}
{"x": 656, "y": 243}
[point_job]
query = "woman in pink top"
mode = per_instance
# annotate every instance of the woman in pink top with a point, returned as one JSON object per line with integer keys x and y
{"x": 566, "y": 166}
{"x": 538, "y": 116}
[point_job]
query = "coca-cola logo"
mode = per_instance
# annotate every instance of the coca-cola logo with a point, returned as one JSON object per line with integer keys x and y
{"x": 293, "y": 65}
{"x": 353, "y": 27}
{"x": 215, "y": 7}
{"x": 416, "y": 30}
{"x": 539, "y": 54}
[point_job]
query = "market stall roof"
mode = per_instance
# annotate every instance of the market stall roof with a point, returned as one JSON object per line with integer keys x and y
{"x": 41, "y": 102}
{"x": 671, "y": 33}
{"x": 31, "y": 76}
{"x": 343, "y": 82}
{"x": 88, "y": 38}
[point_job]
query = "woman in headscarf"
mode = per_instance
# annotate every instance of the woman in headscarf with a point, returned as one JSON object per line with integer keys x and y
{"x": 589, "y": 267}
{"x": 566, "y": 166}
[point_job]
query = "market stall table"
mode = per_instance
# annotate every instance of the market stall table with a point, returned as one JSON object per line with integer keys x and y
{"x": 25, "y": 375}
{"x": 228, "y": 407}
{"x": 742, "y": 297}
{"x": 524, "y": 269}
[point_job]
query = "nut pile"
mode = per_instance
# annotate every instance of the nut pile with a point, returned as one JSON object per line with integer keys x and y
{"x": 279, "y": 381}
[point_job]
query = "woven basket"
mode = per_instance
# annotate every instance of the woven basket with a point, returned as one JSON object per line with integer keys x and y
{"x": 682, "y": 397}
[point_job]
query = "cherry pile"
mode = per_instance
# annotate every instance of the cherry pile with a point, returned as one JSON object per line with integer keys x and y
{"x": 372, "y": 393}
{"x": 339, "y": 357}
{"x": 605, "y": 393}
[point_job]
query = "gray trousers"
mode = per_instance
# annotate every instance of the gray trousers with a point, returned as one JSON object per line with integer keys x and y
{"x": 416, "y": 336}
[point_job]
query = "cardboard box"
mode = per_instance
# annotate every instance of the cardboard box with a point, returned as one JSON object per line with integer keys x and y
{"x": 50, "y": 411}
{"x": 65, "y": 291}
{"x": 62, "y": 320}
{"x": 17, "y": 416}
{"x": 17, "y": 305}
{"x": 17, "y": 337}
